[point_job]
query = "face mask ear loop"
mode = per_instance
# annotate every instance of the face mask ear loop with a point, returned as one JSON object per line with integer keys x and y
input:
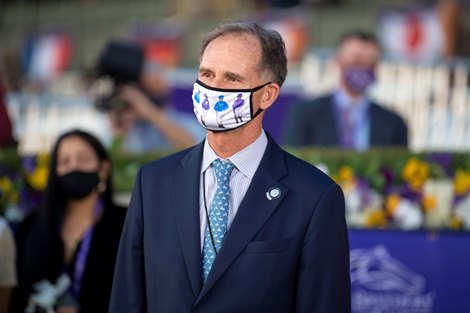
{"x": 259, "y": 87}
{"x": 257, "y": 113}
{"x": 251, "y": 101}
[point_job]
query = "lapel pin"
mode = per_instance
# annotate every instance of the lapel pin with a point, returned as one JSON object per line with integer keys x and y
{"x": 273, "y": 193}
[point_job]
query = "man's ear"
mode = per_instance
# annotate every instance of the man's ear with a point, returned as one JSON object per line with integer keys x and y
{"x": 270, "y": 94}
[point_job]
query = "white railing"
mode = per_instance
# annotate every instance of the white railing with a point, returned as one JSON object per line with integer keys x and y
{"x": 39, "y": 119}
{"x": 434, "y": 101}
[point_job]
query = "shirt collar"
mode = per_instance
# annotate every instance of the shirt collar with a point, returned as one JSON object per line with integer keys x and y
{"x": 246, "y": 160}
{"x": 345, "y": 101}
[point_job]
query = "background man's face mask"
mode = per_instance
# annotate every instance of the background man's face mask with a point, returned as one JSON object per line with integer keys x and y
{"x": 359, "y": 78}
{"x": 223, "y": 109}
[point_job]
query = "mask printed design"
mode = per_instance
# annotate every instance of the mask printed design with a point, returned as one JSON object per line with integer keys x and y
{"x": 223, "y": 109}
{"x": 220, "y": 107}
{"x": 205, "y": 105}
{"x": 237, "y": 108}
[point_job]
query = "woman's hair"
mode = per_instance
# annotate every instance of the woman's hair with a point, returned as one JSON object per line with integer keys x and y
{"x": 45, "y": 231}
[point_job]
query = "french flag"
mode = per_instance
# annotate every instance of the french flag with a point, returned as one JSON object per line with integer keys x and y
{"x": 47, "y": 55}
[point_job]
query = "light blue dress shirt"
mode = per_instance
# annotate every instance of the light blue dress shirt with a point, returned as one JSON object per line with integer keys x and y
{"x": 359, "y": 115}
{"x": 246, "y": 163}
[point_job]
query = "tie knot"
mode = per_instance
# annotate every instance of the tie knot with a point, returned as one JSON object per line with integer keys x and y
{"x": 223, "y": 170}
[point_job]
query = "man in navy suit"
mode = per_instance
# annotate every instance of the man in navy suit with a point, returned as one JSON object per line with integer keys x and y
{"x": 347, "y": 118}
{"x": 234, "y": 224}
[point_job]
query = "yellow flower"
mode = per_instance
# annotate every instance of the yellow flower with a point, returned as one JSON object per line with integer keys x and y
{"x": 14, "y": 197}
{"x": 415, "y": 172}
{"x": 462, "y": 182}
{"x": 42, "y": 159}
{"x": 346, "y": 178}
{"x": 417, "y": 183}
{"x": 8, "y": 191}
{"x": 456, "y": 223}
{"x": 391, "y": 203}
{"x": 5, "y": 184}
{"x": 429, "y": 203}
{"x": 376, "y": 218}
{"x": 38, "y": 178}
{"x": 346, "y": 173}
{"x": 410, "y": 168}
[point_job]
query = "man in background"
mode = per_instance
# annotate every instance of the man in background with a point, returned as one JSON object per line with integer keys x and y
{"x": 348, "y": 118}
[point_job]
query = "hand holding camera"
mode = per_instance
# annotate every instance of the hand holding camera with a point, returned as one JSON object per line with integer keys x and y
{"x": 138, "y": 100}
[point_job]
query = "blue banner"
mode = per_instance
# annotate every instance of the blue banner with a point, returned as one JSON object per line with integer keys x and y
{"x": 410, "y": 272}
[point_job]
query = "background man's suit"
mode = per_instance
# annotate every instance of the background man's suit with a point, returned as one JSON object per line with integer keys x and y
{"x": 288, "y": 254}
{"x": 314, "y": 123}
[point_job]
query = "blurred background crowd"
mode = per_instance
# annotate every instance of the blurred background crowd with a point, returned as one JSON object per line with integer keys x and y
{"x": 377, "y": 96}
{"x": 51, "y": 53}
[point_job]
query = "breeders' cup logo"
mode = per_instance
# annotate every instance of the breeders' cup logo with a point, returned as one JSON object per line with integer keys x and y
{"x": 382, "y": 284}
{"x": 376, "y": 270}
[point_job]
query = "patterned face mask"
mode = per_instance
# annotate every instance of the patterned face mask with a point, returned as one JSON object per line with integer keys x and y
{"x": 223, "y": 109}
{"x": 359, "y": 78}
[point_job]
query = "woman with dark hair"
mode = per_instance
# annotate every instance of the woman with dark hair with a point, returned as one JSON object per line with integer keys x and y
{"x": 69, "y": 244}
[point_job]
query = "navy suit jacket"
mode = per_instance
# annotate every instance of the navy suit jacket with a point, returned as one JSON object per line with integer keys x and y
{"x": 286, "y": 255}
{"x": 313, "y": 123}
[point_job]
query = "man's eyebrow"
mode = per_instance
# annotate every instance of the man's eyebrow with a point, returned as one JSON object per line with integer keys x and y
{"x": 230, "y": 75}
{"x": 234, "y": 76}
{"x": 204, "y": 70}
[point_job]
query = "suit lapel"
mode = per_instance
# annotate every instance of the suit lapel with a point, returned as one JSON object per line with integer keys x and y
{"x": 253, "y": 212}
{"x": 186, "y": 177}
{"x": 328, "y": 132}
{"x": 375, "y": 129}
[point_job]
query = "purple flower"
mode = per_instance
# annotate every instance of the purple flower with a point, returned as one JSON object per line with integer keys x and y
{"x": 364, "y": 190}
{"x": 457, "y": 198}
{"x": 444, "y": 160}
{"x": 29, "y": 163}
{"x": 389, "y": 177}
{"x": 408, "y": 193}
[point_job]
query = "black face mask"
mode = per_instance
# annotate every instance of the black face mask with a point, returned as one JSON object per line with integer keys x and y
{"x": 78, "y": 184}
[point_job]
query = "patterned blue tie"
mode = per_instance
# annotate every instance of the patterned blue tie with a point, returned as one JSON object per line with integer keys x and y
{"x": 218, "y": 215}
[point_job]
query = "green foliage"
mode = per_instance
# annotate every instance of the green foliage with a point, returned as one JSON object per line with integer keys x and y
{"x": 365, "y": 164}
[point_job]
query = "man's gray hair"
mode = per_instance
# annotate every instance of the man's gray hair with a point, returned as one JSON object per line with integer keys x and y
{"x": 273, "y": 50}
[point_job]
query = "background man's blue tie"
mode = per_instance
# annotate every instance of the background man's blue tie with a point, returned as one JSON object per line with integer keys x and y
{"x": 218, "y": 215}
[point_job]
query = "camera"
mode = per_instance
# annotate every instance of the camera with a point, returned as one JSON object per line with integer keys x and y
{"x": 120, "y": 63}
